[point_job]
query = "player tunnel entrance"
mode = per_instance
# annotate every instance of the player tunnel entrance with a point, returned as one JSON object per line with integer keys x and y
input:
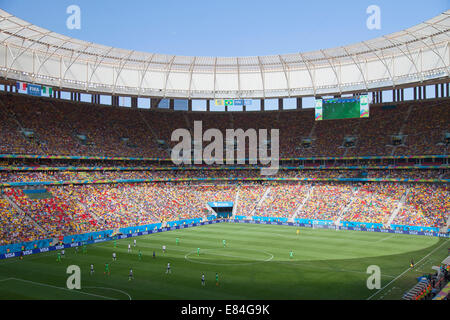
{"x": 223, "y": 209}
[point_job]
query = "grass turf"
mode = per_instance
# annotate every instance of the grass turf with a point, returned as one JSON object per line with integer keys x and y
{"x": 255, "y": 264}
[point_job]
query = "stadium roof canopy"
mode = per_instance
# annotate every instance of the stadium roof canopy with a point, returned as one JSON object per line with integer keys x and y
{"x": 34, "y": 54}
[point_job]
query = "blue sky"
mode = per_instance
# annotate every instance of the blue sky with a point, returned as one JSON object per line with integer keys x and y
{"x": 225, "y": 28}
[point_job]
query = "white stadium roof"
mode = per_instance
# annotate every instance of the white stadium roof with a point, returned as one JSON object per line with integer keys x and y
{"x": 34, "y": 54}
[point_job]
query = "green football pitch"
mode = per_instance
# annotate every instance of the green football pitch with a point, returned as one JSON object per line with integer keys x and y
{"x": 255, "y": 264}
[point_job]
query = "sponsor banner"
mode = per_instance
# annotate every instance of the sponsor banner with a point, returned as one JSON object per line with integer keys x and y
{"x": 72, "y": 182}
{"x": 15, "y": 168}
{"x": 331, "y": 226}
{"x": 220, "y": 204}
{"x": 21, "y": 87}
{"x": 22, "y": 156}
{"x": 318, "y": 109}
{"x": 233, "y": 102}
{"x": 34, "y": 89}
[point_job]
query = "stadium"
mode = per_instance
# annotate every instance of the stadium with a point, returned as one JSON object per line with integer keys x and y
{"x": 93, "y": 176}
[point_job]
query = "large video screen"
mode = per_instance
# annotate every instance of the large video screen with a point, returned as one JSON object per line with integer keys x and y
{"x": 342, "y": 108}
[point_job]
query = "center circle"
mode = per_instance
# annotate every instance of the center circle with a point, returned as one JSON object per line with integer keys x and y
{"x": 225, "y": 258}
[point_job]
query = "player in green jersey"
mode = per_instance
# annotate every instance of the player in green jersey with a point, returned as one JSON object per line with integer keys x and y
{"x": 107, "y": 269}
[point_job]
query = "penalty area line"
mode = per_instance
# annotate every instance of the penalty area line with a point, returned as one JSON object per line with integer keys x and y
{"x": 112, "y": 289}
{"x": 404, "y": 272}
{"x": 61, "y": 288}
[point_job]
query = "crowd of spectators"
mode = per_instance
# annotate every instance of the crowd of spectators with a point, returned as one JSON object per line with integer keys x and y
{"x": 249, "y": 196}
{"x": 53, "y": 214}
{"x": 91, "y": 175}
{"x": 374, "y": 203}
{"x": 326, "y": 200}
{"x": 58, "y": 125}
{"x": 15, "y": 226}
{"x": 73, "y": 209}
{"x": 282, "y": 200}
{"x": 427, "y": 205}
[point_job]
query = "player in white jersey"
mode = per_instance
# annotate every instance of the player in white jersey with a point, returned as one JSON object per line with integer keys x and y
{"x": 134, "y": 243}
{"x": 129, "y": 248}
{"x": 114, "y": 256}
{"x": 130, "y": 276}
{"x": 168, "y": 268}
{"x": 62, "y": 252}
{"x": 203, "y": 279}
{"x": 164, "y": 249}
{"x": 92, "y": 269}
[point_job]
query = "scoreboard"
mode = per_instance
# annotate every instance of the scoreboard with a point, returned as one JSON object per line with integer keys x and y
{"x": 342, "y": 108}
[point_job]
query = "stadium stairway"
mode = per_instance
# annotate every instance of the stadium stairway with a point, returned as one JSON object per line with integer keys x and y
{"x": 67, "y": 123}
{"x": 402, "y": 128}
{"x": 344, "y": 155}
{"x": 10, "y": 114}
{"x": 186, "y": 120}
{"x": 447, "y": 225}
{"x": 405, "y": 121}
{"x": 211, "y": 210}
{"x": 301, "y": 205}
{"x": 236, "y": 203}
{"x": 398, "y": 208}
{"x": 313, "y": 129}
{"x": 30, "y": 220}
{"x": 260, "y": 202}
{"x": 91, "y": 212}
{"x": 346, "y": 207}
{"x": 154, "y": 135}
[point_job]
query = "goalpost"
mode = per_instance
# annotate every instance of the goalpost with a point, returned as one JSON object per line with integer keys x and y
{"x": 337, "y": 225}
